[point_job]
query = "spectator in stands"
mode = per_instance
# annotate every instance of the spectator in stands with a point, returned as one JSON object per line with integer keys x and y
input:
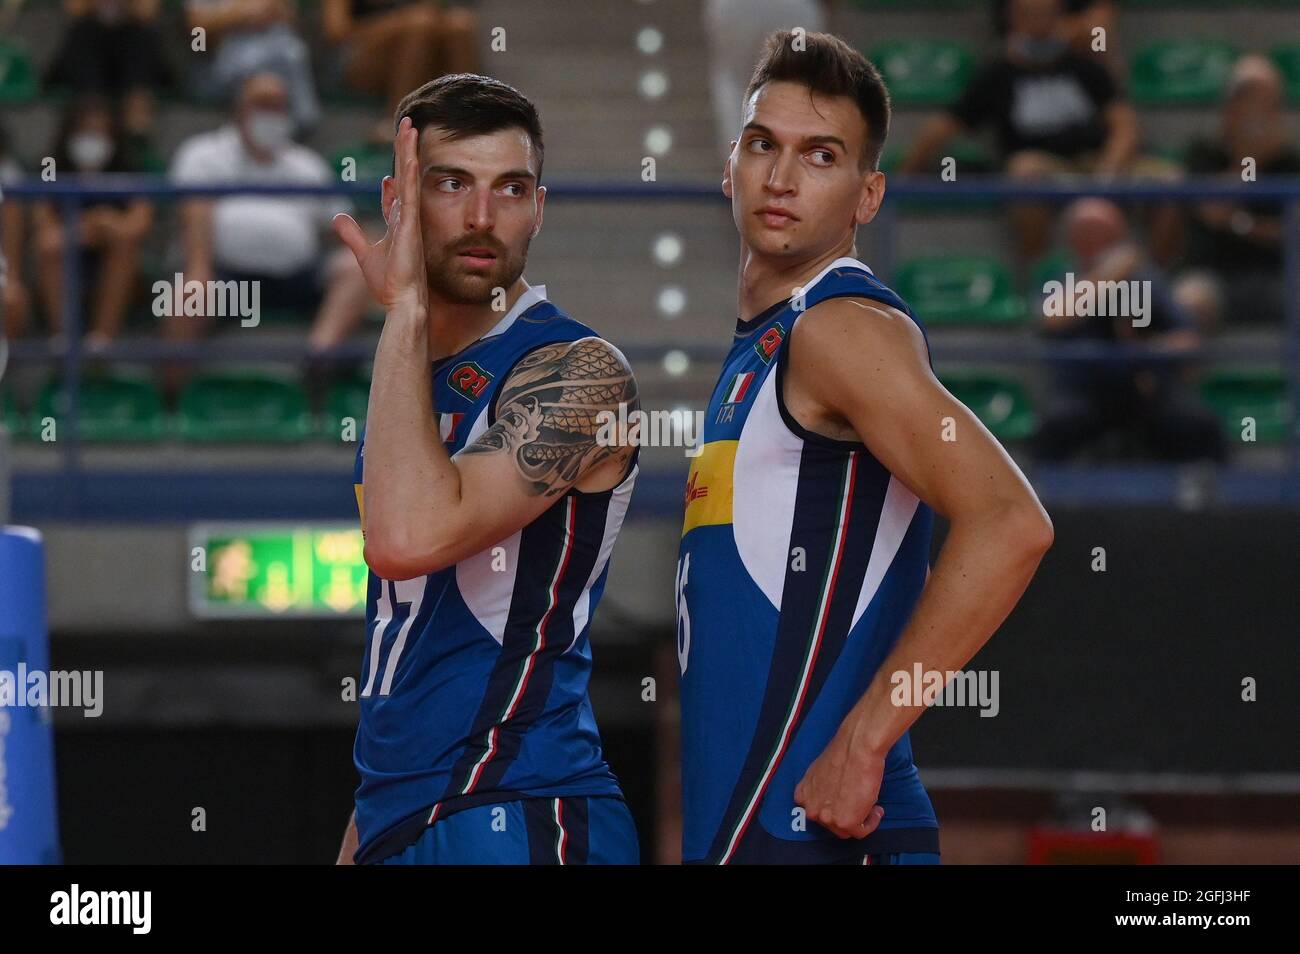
{"x": 1146, "y": 399}
{"x": 274, "y": 241}
{"x": 112, "y": 48}
{"x": 390, "y": 47}
{"x": 15, "y": 297}
{"x": 1054, "y": 112}
{"x": 1079, "y": 20}
{"x": 736, "y": 30}
{"x": 110, "y": 231}
{"x": 252, "y": 36}
{"x": 1234, "y": 249}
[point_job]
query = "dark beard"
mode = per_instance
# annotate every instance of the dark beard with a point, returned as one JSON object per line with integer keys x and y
{"x": 452, "y": 285}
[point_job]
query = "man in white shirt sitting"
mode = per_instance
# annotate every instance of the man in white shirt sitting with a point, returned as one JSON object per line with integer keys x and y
{"x": 274, "y": 240}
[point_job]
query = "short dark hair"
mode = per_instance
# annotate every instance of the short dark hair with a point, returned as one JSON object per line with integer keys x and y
{"x": 467, "y": 104}
{"x": 829, "y": 66}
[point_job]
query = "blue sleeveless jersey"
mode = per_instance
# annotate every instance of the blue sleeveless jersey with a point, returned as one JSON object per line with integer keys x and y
{"x": 473, "y": 685}
{"x": 801, "y": 559}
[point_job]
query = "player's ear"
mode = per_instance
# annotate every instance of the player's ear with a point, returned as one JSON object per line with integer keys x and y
{"x": 541, "y": 206}
{"x": 388, "y": 195}
{"x": 726, "y": 172}
{"x": 869, "y": 199}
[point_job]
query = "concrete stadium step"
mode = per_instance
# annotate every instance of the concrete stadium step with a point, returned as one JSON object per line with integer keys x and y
{"x": 578, "y": 22}
{"x": 595, "y": 75}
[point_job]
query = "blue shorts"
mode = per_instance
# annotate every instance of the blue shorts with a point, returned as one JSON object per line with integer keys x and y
{"x": 903, "y": 858}
{"x": 912, "y": 845}
{"x": 577, "y": 830}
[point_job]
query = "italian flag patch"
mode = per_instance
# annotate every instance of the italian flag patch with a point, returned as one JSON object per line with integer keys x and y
{"x": 738, "y": 387}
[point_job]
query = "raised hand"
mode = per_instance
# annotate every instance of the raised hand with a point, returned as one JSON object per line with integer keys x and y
{"x": 394, "y": 266}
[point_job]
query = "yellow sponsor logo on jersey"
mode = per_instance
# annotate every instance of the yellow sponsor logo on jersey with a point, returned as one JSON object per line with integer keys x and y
{"x": 708, "y": 487}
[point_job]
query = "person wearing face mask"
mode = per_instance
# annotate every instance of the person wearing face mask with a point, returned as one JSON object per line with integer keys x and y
{"x": 1234, "y": 249}
{"x": 251, "y": 36}
{"x": 109, "y": 232}
{"x": 1053, "y": 111}
{"x": 276, "y": 241}
{"x": 113, "y": 48}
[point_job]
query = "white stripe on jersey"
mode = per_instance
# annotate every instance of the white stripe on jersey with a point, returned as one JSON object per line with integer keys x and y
{"x": 764, "y": 482}
{"x": 618, "y": 503}
{"x": 895, "y": 517}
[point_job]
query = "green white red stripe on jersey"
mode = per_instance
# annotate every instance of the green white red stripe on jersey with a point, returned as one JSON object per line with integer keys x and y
{"x": 813, "y": 647}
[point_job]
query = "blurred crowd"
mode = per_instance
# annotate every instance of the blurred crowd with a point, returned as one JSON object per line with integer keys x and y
{"x": 1051, "y": 98}
{"x": 1054, "y": 99}
{"x": 1053, "y": 104}
{"x": 253, "y": 59}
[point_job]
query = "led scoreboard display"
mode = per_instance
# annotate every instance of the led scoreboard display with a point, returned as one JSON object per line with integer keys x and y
{"x": 276, "y": 570}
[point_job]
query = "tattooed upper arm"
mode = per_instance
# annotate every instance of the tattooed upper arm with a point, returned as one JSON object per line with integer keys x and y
{"x": 554, "y": 413}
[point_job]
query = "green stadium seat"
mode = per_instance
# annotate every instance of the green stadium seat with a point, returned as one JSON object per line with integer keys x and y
{"x": 148, "y": 158}
{"x": 1237, "y": 393}
{"x": 1287, "y": 59}
{"x": 373, "y": 161}
{"x": 17, "y": 78}
{"x": 115, "y": 405}
{"x": 971, "y": 156}
{"x": 1180, "y": 72}
{"x": 1051, "y": 267}
{"x": 891, "y": 157}
{"x": 11, "y": 414}
{"x": 244, "y": 405}
{"x": 1001, "y": 402}
{"x": 1174, "y": 154}
{"x": 346, "y": 397}
{"x": 959, "y": 289}
{"x": 337, "y": 97}
{"x": 923, "y": 72}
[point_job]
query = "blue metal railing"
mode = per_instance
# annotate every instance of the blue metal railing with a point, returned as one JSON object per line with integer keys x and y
{"x": 71, "y": 193}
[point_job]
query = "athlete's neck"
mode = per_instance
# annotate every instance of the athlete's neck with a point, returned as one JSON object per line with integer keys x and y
{"x": 454, "y": 326}
{"x": 765, "y": 280}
